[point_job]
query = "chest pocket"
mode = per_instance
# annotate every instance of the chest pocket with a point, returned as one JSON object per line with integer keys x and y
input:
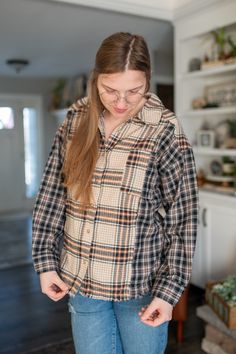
{"x": 135, "y": 173}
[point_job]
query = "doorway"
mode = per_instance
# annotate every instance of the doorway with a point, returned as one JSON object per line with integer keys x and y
{"x": 166, "y": 94}
{"x": 20, "y": 152}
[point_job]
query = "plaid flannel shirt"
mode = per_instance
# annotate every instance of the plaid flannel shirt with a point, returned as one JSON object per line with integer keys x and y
{"x": 139, "y": 234}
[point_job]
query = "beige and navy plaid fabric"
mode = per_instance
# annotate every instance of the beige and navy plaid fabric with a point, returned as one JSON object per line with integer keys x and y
{"x": 139, "y": 234}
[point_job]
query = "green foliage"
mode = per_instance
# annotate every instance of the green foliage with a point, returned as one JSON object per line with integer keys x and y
{"x": 232, "y": 46}
{"x": 227, "y": 290}
{"x": 58, "y": 89}
{"x": 221, "y": 40}
{"x": 227, "y": 159}
{"x": 232, "y": 128}
{"x": 57, "y": 94}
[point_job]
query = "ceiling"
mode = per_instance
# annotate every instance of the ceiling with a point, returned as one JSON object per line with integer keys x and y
{"x": 60, "y": 38}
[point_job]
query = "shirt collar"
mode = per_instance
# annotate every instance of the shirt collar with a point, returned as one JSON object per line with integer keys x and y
{"x": 150, "y": 113}
{"x": 152, "y": 110}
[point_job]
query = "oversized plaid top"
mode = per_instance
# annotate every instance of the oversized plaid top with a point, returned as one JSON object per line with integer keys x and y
{"x": 139, "y": 234}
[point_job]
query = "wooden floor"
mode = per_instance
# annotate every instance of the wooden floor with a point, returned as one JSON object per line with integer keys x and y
{"x": 15, "y": 240}
{"x": 29, "y": 320}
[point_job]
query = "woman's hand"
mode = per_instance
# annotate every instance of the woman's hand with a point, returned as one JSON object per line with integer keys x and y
{"x": 156, "y": 313}
{"x": 53, "y": 286}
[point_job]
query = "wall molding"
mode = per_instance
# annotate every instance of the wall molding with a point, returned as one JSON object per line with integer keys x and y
{"x": 162, "y": 10}
{"x": 144, "y": 9}
{"x": 194, "y": 7}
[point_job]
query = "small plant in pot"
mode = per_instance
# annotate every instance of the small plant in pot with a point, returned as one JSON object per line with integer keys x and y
{"x": 220, "y": 40}
{"x": 229, "y": 141}
{"x": 228, "y": 166}
{"x": 232, "y": 128}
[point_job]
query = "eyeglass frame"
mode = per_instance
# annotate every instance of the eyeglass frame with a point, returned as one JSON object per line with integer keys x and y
{"x": 119, "y": 97}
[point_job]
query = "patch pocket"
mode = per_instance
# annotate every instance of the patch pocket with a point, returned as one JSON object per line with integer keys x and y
{"x": 69, "y": 269}
{"x": 134, "y": 173}
{"x": 133, "y": 197}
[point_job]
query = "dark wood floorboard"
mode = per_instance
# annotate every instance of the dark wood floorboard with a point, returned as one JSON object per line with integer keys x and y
{"x": 28, "y": 319}
{"x": 15, "y": 241}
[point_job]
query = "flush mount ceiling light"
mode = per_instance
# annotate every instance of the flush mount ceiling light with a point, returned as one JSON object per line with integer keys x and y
{"x": 17, "y": 64}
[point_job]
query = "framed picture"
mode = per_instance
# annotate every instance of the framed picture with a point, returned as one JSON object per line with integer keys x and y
{"x": 206, "y": 138}
{"x": 222, "y": 94}
{"x": 216, "y": 168}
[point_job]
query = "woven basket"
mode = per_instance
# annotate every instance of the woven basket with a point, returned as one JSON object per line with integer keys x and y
{"x": 225, "y": 312}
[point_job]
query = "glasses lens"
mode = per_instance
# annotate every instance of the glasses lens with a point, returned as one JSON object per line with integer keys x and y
{"x": 109, "y": 97}
{"x": 112, "y": 97}
{"x": 133, "y": 98}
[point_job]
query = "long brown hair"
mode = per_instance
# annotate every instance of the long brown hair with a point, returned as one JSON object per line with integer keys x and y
{"x": 117, "y": 53}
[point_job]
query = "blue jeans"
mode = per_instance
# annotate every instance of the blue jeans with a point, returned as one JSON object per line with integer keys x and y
{"x": 111, "y": 327}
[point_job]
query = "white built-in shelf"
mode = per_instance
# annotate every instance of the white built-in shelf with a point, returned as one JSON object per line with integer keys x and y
{"x": 214, "y": 152}
{"x": 217, "y": 70}
{"x": 224, "y": 194}
{"x": 209, "y": 111}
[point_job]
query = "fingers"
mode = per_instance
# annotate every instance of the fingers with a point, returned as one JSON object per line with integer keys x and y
{"x": 148, "y": 312}
{"x": 54, "y": 294}
{"x": 150, "y": 315}
{"x": 152, "y": 318}
{"x": 142, "y": 311}
{"x": 53, "y": 286}
{"x": 156, "y": 313}
{"x": 60, "y": 283}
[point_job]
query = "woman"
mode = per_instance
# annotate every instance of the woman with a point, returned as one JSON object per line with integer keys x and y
{"x": 120, "y": 190}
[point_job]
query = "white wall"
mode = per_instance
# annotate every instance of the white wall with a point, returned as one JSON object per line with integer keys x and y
{"x": 34, "y": 86}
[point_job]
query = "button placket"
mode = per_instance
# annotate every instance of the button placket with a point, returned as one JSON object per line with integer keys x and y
{"x": 88, "y": 229}
{"x": 85, "y": 261}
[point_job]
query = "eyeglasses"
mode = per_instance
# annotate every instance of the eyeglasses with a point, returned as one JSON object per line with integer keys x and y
{"x": 113, "y": 96}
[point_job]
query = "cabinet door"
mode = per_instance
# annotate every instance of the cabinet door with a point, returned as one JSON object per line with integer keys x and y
{"x": 215, "y": 255}
{"x": 221, "y": 241}
{"x": 200, "y": 262}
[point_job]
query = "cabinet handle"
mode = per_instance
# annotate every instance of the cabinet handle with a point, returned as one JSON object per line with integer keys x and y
{"x": 204, "y": 220}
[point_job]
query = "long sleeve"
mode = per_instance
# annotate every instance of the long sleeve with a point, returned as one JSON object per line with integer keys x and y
{"x": 49, "y": 211}
{"x": 180, "y": 201}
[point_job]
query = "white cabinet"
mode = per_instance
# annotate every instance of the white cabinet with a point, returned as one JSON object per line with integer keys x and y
{"x": 215, "y": 255}
{"x": 199, "y": 274}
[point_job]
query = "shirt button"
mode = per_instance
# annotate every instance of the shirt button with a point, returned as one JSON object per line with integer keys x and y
{"x": 84, "y": 262}
{"x": 88, "y": 231}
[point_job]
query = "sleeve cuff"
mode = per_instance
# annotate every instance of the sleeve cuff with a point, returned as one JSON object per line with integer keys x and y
{"x": 168, "y": 290}
{"x": 46, "y": 263}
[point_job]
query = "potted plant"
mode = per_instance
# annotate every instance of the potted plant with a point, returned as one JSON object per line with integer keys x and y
{"x": 228, "y": 166}
{"x": 57, "y": 94}
{"x": 220, "y": 40}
